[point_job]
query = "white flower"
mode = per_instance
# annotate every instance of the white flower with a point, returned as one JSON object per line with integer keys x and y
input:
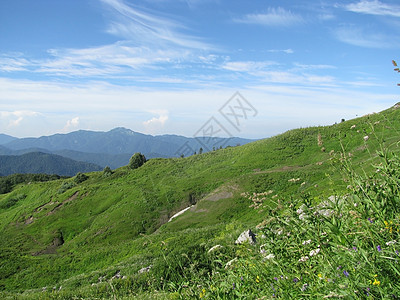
{"x": 306, "y": 242}
{"x": 314, "y": 252}
{"x": 270, "y": 256}
{"x": 391, "y": 243}
{"x": 366, "y": 138}
{"x": 303, "y": 259}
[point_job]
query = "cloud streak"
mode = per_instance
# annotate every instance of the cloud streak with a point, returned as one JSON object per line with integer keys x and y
{"x": 147, "y": 29}
{"x": 275, "y": 17}
{"x": 357, "y": 36}
{"x": 374, "y": 7}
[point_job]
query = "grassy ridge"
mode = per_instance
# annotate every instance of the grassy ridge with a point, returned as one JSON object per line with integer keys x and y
{"x": 71, "y": 234}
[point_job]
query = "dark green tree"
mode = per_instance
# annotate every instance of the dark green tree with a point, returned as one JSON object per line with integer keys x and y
{"x": 107, "y": 171}
{"x": 80, "y": 177}
{"x": 201, "y": 150}
{"x": 137, "y": 160}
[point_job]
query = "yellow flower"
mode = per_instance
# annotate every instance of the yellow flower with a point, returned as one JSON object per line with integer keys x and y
{"x": 320, "y": 275}
{"x": 376, "y": 282}
{"x": 203, "y": 293}
{"x": 258, "y": 279}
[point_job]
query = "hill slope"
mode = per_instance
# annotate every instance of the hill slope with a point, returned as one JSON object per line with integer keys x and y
{"x": 38, "y": 162}
{"x": 4, "y": 138}
{"x": 78, "y": 233}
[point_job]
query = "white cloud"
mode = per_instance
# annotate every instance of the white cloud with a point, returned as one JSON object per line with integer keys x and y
{"x": 274, "y": 17}
{"x": 15, "y": 118}
{"x": 148, "y": 29}
{"x": 155, "y": 124}
{"x": 374, "y": 7}
{"x": 247, "y": 66}
{"x": 358, "y": 36}
{"x": 71, "y": 124}
{"x": 287, "y": 51}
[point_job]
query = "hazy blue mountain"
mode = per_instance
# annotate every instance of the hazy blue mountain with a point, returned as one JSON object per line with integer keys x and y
{"x": 120, "y": 143}
{"x": 4, "y": 138}
{"x": 38, "y": 162}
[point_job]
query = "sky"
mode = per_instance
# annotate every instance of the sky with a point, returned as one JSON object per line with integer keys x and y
{"x": 243, "y": 68}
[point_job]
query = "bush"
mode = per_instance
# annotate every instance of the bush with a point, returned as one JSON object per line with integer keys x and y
{"x": 137, "y": 160}
{"x": 107, "y": 171}
{"x": 65, "y": 186}
{"x": 80, "y": 177}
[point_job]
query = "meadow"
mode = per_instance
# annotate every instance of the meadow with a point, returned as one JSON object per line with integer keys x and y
{"x": 322, "y": 201}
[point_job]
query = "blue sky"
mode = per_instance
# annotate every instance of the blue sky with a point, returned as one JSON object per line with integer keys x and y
{"x": 169, "y": 66}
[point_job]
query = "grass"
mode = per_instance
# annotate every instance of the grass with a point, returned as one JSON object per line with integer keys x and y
{"x": 117, "y": 224}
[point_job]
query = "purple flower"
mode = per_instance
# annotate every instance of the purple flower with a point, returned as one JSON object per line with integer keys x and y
{"x": 276, "y": 278}
{"x": 355, "y": 248}
{"x": 233, "y": 286}
{"x": 338, "y": 268}
{"x": 295, "y": 279}
{"x": 370, "y": 220}
{"x": 379, "y": 248}
{"x": 241, "y": 278}
{"x": 397, "y": 252}
{"x": 346, "y": 273}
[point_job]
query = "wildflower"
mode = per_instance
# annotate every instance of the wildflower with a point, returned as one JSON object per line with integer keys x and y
{"x": 303, "y": 259}
{"x": 241, "y": 278}
{"x": 295, "y": 280}
{"x": 258, "y": 279}
{"x": 320, "y": 276}
{"x": 203, "y": 293}
{"x": 314, "y": 252}
{"x": 366, "y": 138}
{"x": 379, "y": 248}
{"x": 376, "y": 282}
{"x": 233, "y": 285}
{"x": 370, "y": 220}
{"x": 397, "y": 252}
{"x": 304, "y": 287}
{"x": 339, "y": 267}
{"x": 276, "y": 278}
{"x": 306, "y": 242}
{"x": 355, "y": 248}
{"x": 346, "y": 273}
{"x": 270, "y": 256}
{"x": 391, "y": 243}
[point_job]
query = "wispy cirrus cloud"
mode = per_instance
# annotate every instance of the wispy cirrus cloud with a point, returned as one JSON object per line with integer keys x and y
{"x": 374, "y": 7}
{"x": 287, "y": 51}
{"x": 273, "y": 17}
{"x": 358, "y": 36}
{"x": 247, "y": 66}
{"x": 148, "y": 29}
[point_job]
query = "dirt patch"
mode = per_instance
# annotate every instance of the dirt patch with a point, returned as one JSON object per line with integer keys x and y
{"x": 219, "y": 196}
{"x": 29, "y": 220}
{"x": 72, "y": 198}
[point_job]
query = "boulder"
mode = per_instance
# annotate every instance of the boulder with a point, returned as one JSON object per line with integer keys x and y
{"x": 246, "y": 236}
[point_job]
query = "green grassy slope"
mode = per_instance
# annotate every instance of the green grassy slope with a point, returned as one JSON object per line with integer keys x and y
{"x": 71, "y": 234}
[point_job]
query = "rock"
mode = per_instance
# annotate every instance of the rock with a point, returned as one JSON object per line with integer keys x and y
{"x": 246, "y": 236}
{"x": 146, "y": 269}
{"x": 117, "y": 275}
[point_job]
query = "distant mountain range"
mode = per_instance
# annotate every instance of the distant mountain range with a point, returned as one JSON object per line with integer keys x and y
{"x": 100, "y": 149}
{"x": 37, "y": 162}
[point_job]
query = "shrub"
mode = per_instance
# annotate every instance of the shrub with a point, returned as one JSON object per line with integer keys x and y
{"x": 137, "y": 160}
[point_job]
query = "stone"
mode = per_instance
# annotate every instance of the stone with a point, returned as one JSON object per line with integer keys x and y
{"x": 246, "y": 236}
